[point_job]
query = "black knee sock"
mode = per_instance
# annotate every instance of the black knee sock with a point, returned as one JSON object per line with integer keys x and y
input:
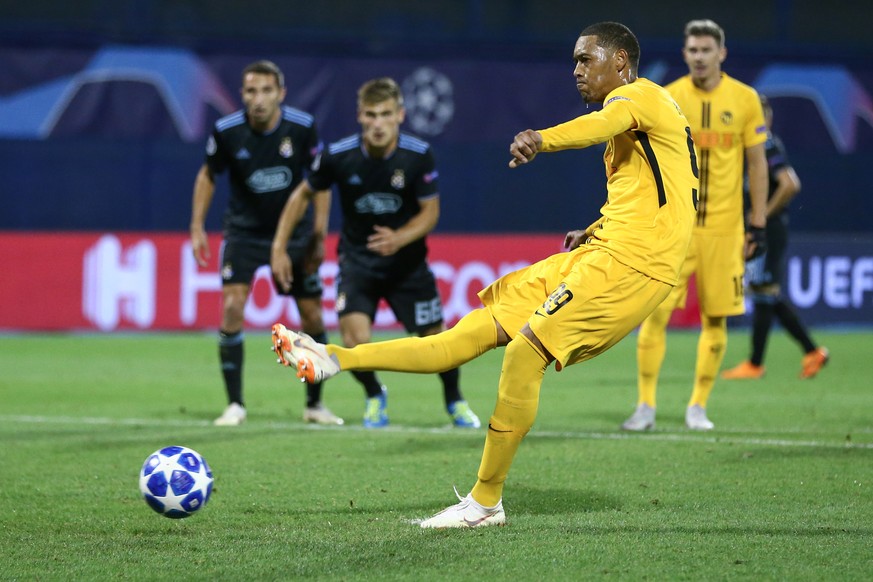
{"x": 792, "y": 324}
{"x": 230, "y": 351}
{"x": 372, "y": 385}
{"x": 762, "y": 320}
{"x": 313, "y": 391}
{"x": 451, "y": 385}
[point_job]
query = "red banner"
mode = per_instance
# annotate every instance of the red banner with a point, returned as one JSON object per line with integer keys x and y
{"x": 150, "y": 281}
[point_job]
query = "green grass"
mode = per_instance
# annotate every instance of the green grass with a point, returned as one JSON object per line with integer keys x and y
{"x": 781, "y": 490}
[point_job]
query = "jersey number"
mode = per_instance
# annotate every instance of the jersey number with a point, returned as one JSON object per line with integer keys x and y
{"x": 656, "y": 171}
{"x": 694, "y": 169}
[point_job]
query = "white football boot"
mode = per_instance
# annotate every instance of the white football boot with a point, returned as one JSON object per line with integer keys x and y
{"x": 233, "y": 415}
{"x": 467, "y": 513}
{"x": 642, "y": 419}
{"x": 695, "y": 418}
{"x": 321, "y": 414}
{"x": 301, "y": 351}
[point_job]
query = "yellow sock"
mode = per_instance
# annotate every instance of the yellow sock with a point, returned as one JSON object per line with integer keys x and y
{"x": 651, "y": 347}
{"x": 472, "y": 336}
{"x": 518, "y": 396}
{"x": 710, "y": 353}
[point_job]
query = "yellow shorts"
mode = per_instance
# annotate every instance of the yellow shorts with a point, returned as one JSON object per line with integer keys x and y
{"x": 717, "y": 262}
{"x": 579, "y": 304}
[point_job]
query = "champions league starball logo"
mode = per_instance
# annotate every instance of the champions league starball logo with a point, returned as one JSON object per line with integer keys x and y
{"x": 428, "y": 96}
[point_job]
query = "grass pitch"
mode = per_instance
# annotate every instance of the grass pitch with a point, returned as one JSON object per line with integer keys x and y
{"x": 780, "y": 490}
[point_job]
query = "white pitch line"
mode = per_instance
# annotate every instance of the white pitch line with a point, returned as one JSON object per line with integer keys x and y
{"x": 662, "y": 436}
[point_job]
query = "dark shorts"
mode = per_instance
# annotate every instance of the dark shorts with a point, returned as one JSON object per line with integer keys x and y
{"x": 413, "y": 296}
{"x": 769, "y": 268}
{"x": 241, "y": 258}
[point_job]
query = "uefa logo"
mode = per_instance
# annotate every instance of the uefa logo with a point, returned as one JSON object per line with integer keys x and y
{"x": 428, "y": 96}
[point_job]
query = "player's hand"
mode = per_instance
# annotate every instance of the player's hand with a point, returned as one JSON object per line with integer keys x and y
{"x": 200, "y": 246}
{"x": 574, "y": 239}
{"x": 384, "y": 241}
{"x": 314, "y": 255}
{"x": 524, "y": 147}
{"x": 756, "y": 242}
{"x": 280, "y": 263}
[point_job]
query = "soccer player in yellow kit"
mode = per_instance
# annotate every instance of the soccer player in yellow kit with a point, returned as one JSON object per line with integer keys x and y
{"x": 726, "y": 121}
{"x": 571, "y": 306}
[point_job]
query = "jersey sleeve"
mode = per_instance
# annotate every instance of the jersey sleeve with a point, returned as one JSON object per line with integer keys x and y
{"x": 616, "y": 117}
{"x": 755, "y": 131}
{"x": 426, "y": 184}
{"x": 777, "y": 158}
{"x": 216, "y": 155}
{"x": 321, "y": 174}
{"x": 313, "y": 145}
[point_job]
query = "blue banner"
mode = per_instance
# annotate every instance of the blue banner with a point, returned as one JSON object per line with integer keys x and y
{"x": 830, "y": 279}
{"x": 112, "y": 139}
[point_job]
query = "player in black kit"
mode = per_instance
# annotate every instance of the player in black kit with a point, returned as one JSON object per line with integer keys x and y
{"x": 266, "y": 149}
{"x": 764, "y": 274}
{"x": 387, "y": 183}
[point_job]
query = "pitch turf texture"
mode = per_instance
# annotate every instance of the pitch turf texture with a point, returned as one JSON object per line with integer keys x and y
{"x": 781, "y": 490}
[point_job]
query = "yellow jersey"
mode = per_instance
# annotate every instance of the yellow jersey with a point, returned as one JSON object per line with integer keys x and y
{"x": 651, "y": 173}
{"x": 724, "y": 122}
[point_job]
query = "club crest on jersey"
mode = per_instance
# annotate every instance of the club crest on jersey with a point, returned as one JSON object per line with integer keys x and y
{"x": 727, "y": 117}
{"x": 285, "y": 148}
{"x": 398, "y": 180}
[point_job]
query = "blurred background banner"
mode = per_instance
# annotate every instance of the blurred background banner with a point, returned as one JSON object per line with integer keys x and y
{"x": 112, "y": 138}
{"x": 105, "y": 108}
{"x": 149, "y": 281}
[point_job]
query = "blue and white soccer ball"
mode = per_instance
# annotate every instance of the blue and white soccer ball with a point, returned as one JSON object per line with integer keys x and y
{"x": 176, "y": 481}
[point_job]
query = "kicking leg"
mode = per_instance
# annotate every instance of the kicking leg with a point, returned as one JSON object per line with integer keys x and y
{"x": 476, "y": 333}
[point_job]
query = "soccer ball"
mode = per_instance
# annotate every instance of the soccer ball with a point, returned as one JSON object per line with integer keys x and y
{"x": 176, "y": 481}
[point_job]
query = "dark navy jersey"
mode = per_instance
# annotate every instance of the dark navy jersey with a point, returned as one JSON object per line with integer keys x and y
{"x": 384, "y": 192}
{"x": 263, "y": 168}
{"x": 777, "y": 159}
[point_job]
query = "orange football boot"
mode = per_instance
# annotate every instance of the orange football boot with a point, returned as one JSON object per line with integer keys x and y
{"x": 813, "y": 362}
{"x": 745, "y": 371}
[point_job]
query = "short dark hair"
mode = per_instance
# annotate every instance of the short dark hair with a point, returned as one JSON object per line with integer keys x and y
{"x": 614, "y": 36}
{"x": 705, "y": 27}
{"x": 379, "y": 90}
{"x": 265, "y": 68}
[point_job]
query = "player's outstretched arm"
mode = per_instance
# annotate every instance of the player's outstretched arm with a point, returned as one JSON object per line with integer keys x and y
{"x": 525, "y": 147}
